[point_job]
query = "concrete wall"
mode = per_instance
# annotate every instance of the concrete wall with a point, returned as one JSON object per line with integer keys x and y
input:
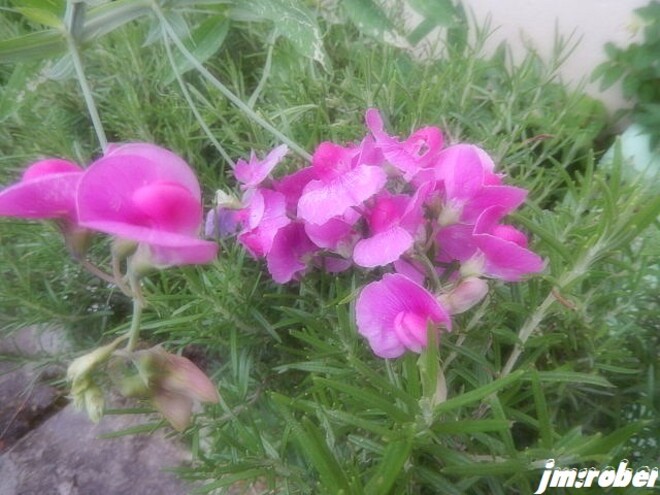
{"x": 535, "y": 24}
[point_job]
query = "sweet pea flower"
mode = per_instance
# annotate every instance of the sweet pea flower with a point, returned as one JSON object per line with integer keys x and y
{"x": 415, "y": 153}
{"x": 344, "y": 179}
{"x": 394, "y": 221}
{"x": 468, "y": 185}
{"x": 394, "y": 314}
{"x": 253, "y": 173}
{"x": 144, "y": 193}
{"x": 263, "y": 216}
{"x": 290, "y": 252}
{"x": 503, "y": 249}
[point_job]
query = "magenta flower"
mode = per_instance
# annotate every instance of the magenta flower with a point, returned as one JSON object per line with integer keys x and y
{"x": 253, "y": 173}
{"x": 147, "y": 194}
{"x": 290, "y": 252}
{"x": 264, "y": 215}
{"x": 469, "y": 185}
{"x": 394, "y": 221}
{"x": 46, "y": 190}
{"x": 394, "y": 314}
{"x": 344, "y": 180}
{"x": 411, "y": 155}
{"x": 504, "y": 248}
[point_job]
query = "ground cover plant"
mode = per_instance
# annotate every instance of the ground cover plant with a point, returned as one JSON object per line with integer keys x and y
{"x": 561, "y": 365}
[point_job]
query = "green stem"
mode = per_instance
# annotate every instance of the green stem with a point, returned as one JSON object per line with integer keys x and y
{"x": 579, "y": 269}
{"x": 74, "y": 14}
{"x": 191, "y": 104}
{"x": 223, "y": 89}
{"x": 429, "y": 268}
{"x": 134, "y": 331}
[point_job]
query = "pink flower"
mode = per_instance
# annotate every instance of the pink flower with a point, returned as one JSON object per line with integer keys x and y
{"x": 344, "y": 180}
{"x": 469, "y": 185}
{"x": 264, "y": 215}
{"x": 290, "y": 252}
{"x": 504, "y": 248}
{"x": 393, "y": 224}
{"x": 253, "y": 173}
{"x": 411, "y": 155}
{"x": 394, "y": 314}
{"x": 147, "y": 194}
{"x": 46, "y": 190}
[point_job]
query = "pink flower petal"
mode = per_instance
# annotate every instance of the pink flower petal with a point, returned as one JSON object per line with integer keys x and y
{"x": 507, "y": 197}
{"x": 411, "y": 155}
{"x": 382, "y": 248}
{"x": 168, "y": 165}
{"x": 195, "y": 252}
{"x": 504, "y": 248}
{"x": 253, "y": 173}
{"x": 292, "y": 187}
{"x": 42, "y": 196}
{"x": 321, "y": 200}
{"x": 286, "y": 257}
{"x": 258, "y": 236}
{"x": 393, "y": 314}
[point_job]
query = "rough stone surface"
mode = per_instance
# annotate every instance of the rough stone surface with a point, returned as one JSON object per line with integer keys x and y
{"x": 49, "y": 448}
{"x": 26, "y": 399}
{"x": 65, "y": 456}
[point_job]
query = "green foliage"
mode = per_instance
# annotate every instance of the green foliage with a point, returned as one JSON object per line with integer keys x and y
{"x": 562, "y": 366}
{"x": 638, "y": 69}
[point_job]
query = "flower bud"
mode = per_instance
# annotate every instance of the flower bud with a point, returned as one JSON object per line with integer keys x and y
{"x": 468, "y": 293}
{"x": 81, "y": 367}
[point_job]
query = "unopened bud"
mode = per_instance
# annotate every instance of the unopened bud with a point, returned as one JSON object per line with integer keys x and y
{"x": 468, "y": 293}
{"x": 81, "y": 367}
{"x": 94, "y": 403}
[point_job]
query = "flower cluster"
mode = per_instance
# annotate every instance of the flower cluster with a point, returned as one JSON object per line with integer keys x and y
{"x": 427, "y": 215}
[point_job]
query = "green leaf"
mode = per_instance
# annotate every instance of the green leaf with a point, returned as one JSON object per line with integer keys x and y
{"x": 292, "y": 20}
{"x": 471, "y": 426}
{"x": 98, "y": 22}
{"x": 204, "y": 42}
{"x": 311, "y": 441}
{"x": 478, "y": 394}
{"x": 10, "y": 96}
{"x": 368, "y": 17}
{"x": 367, "y": 398}
{"x": 39, "y": 45}
{"x": 41, "y": 16}
{"x": 573, "y": 377}
{"x": 482, "y": 469}
{"x": 545, "y": 426}
{"x": 389, "y": 468}
{"x": 439, "y": 12}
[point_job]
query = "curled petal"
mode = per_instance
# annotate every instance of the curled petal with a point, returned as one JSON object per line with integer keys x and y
{"x": 394, "y": 314}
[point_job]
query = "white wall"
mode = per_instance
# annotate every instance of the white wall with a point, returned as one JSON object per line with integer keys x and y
{"x": 534, "y": 23}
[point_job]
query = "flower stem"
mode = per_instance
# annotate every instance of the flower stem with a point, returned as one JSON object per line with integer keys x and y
{"x": 134, "y": 331}
{"x": 73, "y": 18}
{"x": 191, "y": 104}
{"x": 578, "y": 270}
{"x": 223, "y": 89}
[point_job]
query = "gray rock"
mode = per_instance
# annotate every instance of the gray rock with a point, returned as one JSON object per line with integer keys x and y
{"x": 65, "y": 456}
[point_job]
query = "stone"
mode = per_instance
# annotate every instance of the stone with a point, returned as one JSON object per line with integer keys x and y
{"x": 66, "y": 456}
